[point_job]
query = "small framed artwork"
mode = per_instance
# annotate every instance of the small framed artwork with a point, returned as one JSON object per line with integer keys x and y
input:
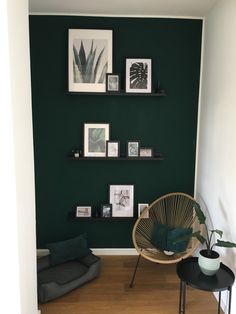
{"x": 138, "y": 76}
{"x": 112, "y": 83}
{"x": 141, "y": 207}
{"x": 146, "y": 152}
{"x": 112, "y": 148}
{"x": 83, "y": 211}
{"x": 95, "y": 137}
{"x": 132, "y": 148}
{"x": 90, "y": 58}
{"x": 106, "y": 210}
{"x": 122, "y": 200}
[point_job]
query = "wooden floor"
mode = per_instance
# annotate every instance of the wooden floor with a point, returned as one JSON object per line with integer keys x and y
{"x": 156, "y": 291}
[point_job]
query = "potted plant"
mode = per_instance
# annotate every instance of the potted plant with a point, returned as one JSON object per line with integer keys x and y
{"x": 209, "y": 259}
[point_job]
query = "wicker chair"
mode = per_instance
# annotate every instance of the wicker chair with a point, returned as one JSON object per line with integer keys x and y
{"x": 175, "y": 210}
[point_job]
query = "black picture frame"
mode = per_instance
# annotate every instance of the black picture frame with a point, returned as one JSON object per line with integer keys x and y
{"x": 112, "y": 83}
{"x": 112, "y": 149}
{"x": 106, "y": 211}
{"x": 133, "y": 147}
{"x": 146, "y": 152}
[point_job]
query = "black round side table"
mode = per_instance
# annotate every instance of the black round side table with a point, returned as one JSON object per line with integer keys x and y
{"x": 190, "y": 274}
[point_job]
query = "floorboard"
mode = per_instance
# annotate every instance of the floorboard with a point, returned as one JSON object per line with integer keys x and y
{"x": 155, "y": 291}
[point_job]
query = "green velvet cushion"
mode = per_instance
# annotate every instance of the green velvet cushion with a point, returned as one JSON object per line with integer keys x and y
{"x": 168, "y": 238}
{"x": 159, "y": 236}
{"x": 176, "y": 235}
{"x": 68, "y": 250}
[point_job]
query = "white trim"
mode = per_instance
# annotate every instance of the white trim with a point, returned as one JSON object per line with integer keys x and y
{"x": 122, "y": 15}
{"x": 42, "y": 252}
{"x": 199, "y": 109}
{"x": 110, "y": 251}
{"x": 98, "y": 251}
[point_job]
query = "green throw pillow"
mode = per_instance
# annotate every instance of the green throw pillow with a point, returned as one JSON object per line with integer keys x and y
{"x": 159, "y": 236}
{"x": 68, "y": 250}
{"x": 175, "y": 234}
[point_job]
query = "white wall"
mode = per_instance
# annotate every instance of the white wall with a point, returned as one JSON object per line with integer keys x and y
{"x": 17, "y": 223}
{"x": 216, "y": 163}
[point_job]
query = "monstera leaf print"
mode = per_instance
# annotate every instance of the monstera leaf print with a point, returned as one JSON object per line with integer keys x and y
{"x": 138, "y": 75}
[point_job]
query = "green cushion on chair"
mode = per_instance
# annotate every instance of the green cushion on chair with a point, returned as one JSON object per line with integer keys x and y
{"x": 175, "y": 234}
{"x": 68, "y": 250}
{"x": 164, "y": 237}
{"x": 159, "y": 236}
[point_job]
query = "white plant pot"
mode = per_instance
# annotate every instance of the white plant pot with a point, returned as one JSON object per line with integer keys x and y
{"x": 209, "y": 265}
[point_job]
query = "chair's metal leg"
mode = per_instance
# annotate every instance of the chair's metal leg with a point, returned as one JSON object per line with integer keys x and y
{"x": 135, "y": 270}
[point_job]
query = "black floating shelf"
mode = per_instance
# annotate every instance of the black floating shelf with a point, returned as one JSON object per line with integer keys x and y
{"x": 122, "y": 158}
{"x": 71, "y": 216}
{"x": 161, "y": 93}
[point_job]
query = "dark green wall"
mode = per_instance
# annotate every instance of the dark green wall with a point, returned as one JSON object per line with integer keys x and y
{"x": 166, "y": 123}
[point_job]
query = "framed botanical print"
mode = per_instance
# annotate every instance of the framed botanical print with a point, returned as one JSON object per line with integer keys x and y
{"x": 90, "y": 58}
{"x": 122, "y": 200}
{"x": 112, "y": 148}
{"x": 95, "y": 137}
{"x": 138, "y": 76}
{"x": 132, "y": 148}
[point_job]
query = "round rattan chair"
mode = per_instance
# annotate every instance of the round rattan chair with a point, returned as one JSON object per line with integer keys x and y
{"x": 176, "y": 210}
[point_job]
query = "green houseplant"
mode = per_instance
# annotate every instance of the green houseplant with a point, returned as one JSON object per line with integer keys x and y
{"x": 208, "y": 260}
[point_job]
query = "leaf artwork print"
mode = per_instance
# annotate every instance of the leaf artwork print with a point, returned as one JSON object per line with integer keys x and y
{"x": 90, "y": 61}
{"x": 138, "y": 75}
{"x": 96, "y": 141}
{"x": 122, "y": 199}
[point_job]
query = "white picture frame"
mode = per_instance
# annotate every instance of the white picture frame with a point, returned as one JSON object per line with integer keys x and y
{"x": 89, "y": 59}
{"x": 122, "y": 200}
{"x": 83, "y": 211}
{"x": 138, "y": 76}
{"x": 95, "y": 137}
{"x": 141, "y": 207}
{"x": 113, "y": 149}
{"x": 146, "y": 152}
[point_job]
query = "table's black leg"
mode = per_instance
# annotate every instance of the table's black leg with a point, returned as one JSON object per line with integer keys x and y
{"x": 230, "y": 296}
{"x": 219, "y": 302}
{"x": 182, "y": 297}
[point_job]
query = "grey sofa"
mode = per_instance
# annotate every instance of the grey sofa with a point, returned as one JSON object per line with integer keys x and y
{"x": 55, "y": 281}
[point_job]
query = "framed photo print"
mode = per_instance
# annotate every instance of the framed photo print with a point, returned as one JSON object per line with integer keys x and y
{"x": 95, "y": 137}
{"x": 83, "y": 211}
{"x": 112, "y": 148}
{"x": 112, "y": 83}
{"x": 146, "y": 152}
{"x": 89, "y": 59}
{"x": 141, "y": 207}
{"x": 122, "y": 200}
{"x": 132, "y": 148}
{"x": 106, "y": 210}
{"x": 138, "y": 76}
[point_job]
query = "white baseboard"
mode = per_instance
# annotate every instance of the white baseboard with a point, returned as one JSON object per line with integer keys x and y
{"x": 98, "y": 251}
{"x": 109, "y": 251}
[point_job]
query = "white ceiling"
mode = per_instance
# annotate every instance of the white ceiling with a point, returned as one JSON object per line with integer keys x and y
{"x": 182, "y": 8}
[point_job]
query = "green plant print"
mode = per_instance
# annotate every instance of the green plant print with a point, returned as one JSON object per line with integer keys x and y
{"x": 87, "y": 68}
{"x": 97, "y": 141}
